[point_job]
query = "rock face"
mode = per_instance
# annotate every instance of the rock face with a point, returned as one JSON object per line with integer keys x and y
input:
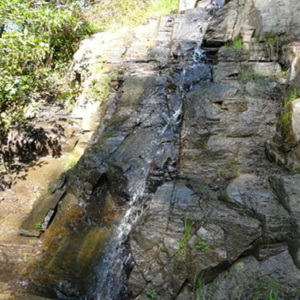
{"x": 175, "y": 197}
{"x": 240, "y": 281}
{"x": 226, "y": 212}
{"x": 263, "y": 18}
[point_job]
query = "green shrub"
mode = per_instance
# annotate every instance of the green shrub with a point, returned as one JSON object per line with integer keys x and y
{"x": 161, "y": 7}
{"x": 38, "y": 41}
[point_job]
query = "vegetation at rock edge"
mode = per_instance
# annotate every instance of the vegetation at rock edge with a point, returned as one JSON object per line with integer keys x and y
{"x": 37, "y": 43}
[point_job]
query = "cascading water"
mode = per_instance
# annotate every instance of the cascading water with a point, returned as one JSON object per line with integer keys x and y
{"x": 116, "y": 258}
{"x": 112, "y": 269}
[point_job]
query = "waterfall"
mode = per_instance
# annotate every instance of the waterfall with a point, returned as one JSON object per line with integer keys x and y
{"x": 110, "y": 274}
{"x": 116, "y": 259}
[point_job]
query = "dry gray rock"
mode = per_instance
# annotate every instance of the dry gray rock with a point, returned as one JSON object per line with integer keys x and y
{"x": 276, "y": 276}
{"x": 263, "y": 17}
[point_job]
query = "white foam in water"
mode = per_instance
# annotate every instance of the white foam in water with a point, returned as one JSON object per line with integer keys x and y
{"x": 198, "y": 55}
{"x": 111, "y": 269}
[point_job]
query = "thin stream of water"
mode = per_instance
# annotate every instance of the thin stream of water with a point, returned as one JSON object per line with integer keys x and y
{"x": 116, "y": 258}
{"x": 111, "y": 270}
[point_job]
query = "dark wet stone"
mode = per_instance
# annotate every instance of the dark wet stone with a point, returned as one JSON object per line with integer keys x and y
{"x": 192, "y": 75}
{"x": 41, "y": 215}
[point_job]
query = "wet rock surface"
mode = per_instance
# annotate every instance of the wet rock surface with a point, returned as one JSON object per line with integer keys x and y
{"x": 227, "y": 212}
{"x": 179, "y": 194}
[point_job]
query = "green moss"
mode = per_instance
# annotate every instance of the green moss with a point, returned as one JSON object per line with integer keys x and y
{"x": 201, "y": 143}
{"x": 281, "y": 74}
{"x": 292, "y": 96}
{"x": 49, "y": 189}
{"x": 220, "y": 173}
{"x": 71, "y": 162}
{"x": 240, "y": 265}
{"x": 286, "y": 122}
{"x": 230, "y": 170}
{"x": 286, "y": 117}
{"x": 99, "y": 89}
{"x": 248, "y": 75}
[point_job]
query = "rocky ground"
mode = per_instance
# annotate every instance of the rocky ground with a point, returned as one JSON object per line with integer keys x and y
{"x": 189, "y": 188}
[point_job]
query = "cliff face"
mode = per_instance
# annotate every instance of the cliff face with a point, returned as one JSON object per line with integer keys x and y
{"x": 188, "y": 188}
{"x": 227, "y": 228}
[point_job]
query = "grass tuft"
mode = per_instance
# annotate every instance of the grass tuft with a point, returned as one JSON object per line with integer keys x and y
{"x": 202, "y": 245}
{"x": 237, "y": 44}
{"x": 183, "y": 243}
